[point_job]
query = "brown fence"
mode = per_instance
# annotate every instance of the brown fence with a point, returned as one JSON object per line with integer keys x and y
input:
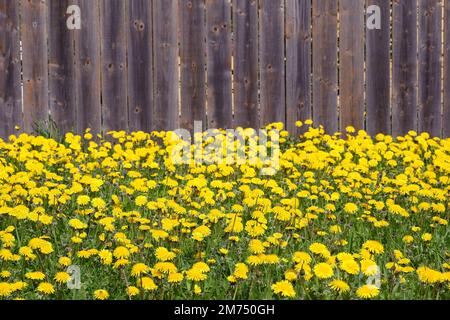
{"x": 161, "y": 64}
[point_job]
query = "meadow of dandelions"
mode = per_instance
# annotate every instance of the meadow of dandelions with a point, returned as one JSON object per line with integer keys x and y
{"x": 353, "y": 218}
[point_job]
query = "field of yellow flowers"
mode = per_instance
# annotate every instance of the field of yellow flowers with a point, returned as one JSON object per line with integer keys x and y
{"x": 354, "y": 218}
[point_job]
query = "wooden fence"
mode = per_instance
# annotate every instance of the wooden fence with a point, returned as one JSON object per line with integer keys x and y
{"x": 161, "y": 64}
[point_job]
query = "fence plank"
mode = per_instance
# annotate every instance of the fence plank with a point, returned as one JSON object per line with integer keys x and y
{"x": 351, "y": 64}
{"x": 87, "y": 52}
{"x": 218, "y": 24}
{"x": 166, "y": 95}
{"x": 140, "y": 65}
{"x": 325, "y": 64}
{"x": 193, "y": 62}
{"x": 446, "y": 111}
{"x": 430, "y": 44}
{"x": 378, "y": 72}
{"x": 35, "y": 63}
{"x": 271, "y": 55}
{"x": 10, "y": 69}
{"x": 404, "y": 72}
{"x": 62, "y": 88}
{"x": 245, "y": 18}
{"x": 298, "y": 63}
{"x": 114, "y": 65}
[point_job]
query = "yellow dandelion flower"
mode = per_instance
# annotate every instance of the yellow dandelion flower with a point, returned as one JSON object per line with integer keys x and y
{"x": 241, "y": 271}
{"x": 101, "y": 294}
{"x": 147, "y": 284}
{"x": 162, "y": 254}
{"x": 175, "y": 277}
{"x": 46, "y": 288}
{"x": 323, "y": 270}
{"x": 368, "y": 291}
{"x": 339, "y": 286}
{"x": 284, "y": 288}
{"x": 138, "y": 269}
{"x": 37, "y": 275}
{"x": 373, "y": 246}
{"x": 62, "y": 277}
{"x": 426, "y": 237}
{"x": 132, "y": 291}
{"x": 197, "y": 290}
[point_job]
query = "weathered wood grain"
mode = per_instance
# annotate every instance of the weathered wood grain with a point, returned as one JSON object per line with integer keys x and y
{"x": 404, "y": 72}
{"x": 351, "y": 64}
{"x": 272, "y": 66}
{"x": 193, "y": 62}
{"x": 245, "y": 52}
{"x": 10, "y": 68}
{"x": 218, "y": 25}
{"x": 430, "y": 45}
{"x": 165, "y": 41}
{"x": 35, "y": 63}
{"x": 446, "y": 107}
{"x": 114, "y": 65}
{"x": 62, "y": 78}
{"x": 88, "y": 66}
{"x": 378, "y": 89}
{"x": 298, "y": 63}
{"x": 325, "y": 64}
{"x": 140, "y": 65}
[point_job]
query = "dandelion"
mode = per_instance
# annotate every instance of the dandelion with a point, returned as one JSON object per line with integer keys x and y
{"x": 339, "y": 286}
{"x": 121, "y": 253}
{"x": 304, "y": 257}
{"x": 37, "y": 275}
{"x": 165, "y": 267}
{"x": 64, "y": 261}
{"x": 147, "y": 284}
{"x": 119, "y": 205}
{"x": 320, "y": 249}
{"x": 200, "y": 233}
{"x": 350, "y": 207}
{"x": 408, "y": 239}
{"x": 350, "y": 266}
{"x": 132, "y": 291}
{"x": 241, "y": 271}
{"x": 138, "y": 269}
{"x": 368, "y": 291}
{"x": 106, "y": 257}
{"x": 284, "y": 288}
{"x": 256, "y": 246}
{"x": 201, "y": 266}
{"x": 428, "y": 275}
{"x": 162, "y": 254}
{"x": 197, "y": 290}
{"x": 62, "y": 277}
{"x": 101, "y": 294}
{"x": 83, "y": 200}
{"x": 323, "y": 271}
{"x": 290, "y": 275}
{"x": 175, "y": 277}
{"x": 195, "y": 275}
{"x": 373, "y": 246}
{"x": 46, "y": 288}
{"x": 120, "y": 263}
{"x": 5, "y": 289}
